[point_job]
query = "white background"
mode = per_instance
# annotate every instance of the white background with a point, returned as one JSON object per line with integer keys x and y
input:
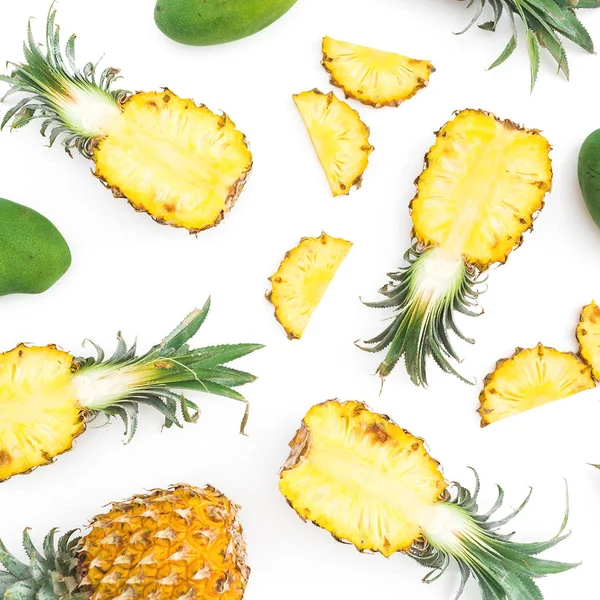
{"x": 130, "y": 273}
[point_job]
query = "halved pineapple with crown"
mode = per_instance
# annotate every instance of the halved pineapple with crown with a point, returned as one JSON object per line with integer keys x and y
{"x": 179, "y": 162}
{"x": 484, "y": 181}
{"x": 588, "y": 335}
{"x": 531, "y": 378}
{"x": 340, "y": 138}
{"x": 182, "y": 543}
{"x": 374, "y": 77}
{"x": 368, "y": 482}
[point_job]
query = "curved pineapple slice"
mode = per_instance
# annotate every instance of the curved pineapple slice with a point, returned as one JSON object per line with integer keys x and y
{"x": 588, "y": 335}
{"x": 302, "y": 278}
{"x": 374, "y": 77}
{"x": 339, "y": 137}
{"x": 531, "y": 378}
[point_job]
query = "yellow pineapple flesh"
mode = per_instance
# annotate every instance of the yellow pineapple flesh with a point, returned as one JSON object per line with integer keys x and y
{"x": 38, "y": 405}
{"x": 531, "y": 378}
{"x": 484, "y": 181}
{"x": 303, "y": 278}
{"x": 588, "y": 335}
{"x": 184, "y": 543}
{"x": 361, "y": 477}
{"x": 374, "y": 77}
{"x": 340, "y": 138}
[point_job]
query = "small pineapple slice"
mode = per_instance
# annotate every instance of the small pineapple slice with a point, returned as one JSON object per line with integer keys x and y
{"x": 374, "y": 77}
{"x": 588, "y": 335}
{"x": 531, "y": 378}
{"x": 302, "y": 278}
{"x": 339, "y": 137}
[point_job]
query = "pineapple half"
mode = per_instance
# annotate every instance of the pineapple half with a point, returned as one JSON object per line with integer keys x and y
{"x": 339, "y": 137}
{"x": 303, "y": 278}
{"x": 368, "y": 482}
{"x": 47, "y": 396}
{"x": 483, "y": 183}
{"x": 181, "y": 163}
{"x": 531, "y": 378}
{"x": 588, "y": 335}
{"x": 182, "y": 543}
{"x": 374, "y": 77}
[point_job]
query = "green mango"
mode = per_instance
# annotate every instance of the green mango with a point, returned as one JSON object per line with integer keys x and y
{"x": 588, "y": 170}
{"x": 209, "y": 22}
{"x": 33, "y": 253}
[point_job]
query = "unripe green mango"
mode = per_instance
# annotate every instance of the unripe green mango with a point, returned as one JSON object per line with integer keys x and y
{"x": 588, "y": 170}
{"x": 33, "y": 253}
{"x": 208, "y": 22}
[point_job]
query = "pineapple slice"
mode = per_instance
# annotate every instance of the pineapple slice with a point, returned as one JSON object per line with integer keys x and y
{"x": 303, "y": 278}
{"x": 339, "y": 137}
{"x": 588, "y": 335}
{"x": 374, "y": 77}
{"x": 370, "y": 483}
{"x": 180, "y": 543}
{"x": 531, "y": 378}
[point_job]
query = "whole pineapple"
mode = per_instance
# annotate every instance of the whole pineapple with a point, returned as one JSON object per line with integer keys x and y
{"x": 183, "y": 543}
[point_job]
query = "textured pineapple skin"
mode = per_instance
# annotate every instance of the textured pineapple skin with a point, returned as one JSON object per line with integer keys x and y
{"x": 588, "y": 336}
{"x": 184, "y": 543}
{"x": 484, "y": 182}
{"x": 179, "y": 162}
{"x": 531, "y": 378}
{"x": 39, "y": 414}
{"x": 303, "y": 278}
{"x": 361, "y": 477}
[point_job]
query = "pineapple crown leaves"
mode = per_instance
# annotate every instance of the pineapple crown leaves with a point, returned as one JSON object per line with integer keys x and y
{"x": 50, "y": 81}
{"x": 544, "y": 22}
{"x": 504, "y": 569}
{"x": 50, "y": 575}
{"x": 170, "y": 365}
{"x": 421, "y": 324}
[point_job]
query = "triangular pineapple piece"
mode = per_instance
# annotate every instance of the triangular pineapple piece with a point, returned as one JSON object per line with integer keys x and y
{"x": 531, "y": 378}
{"x": 588, "y": 335}
{"x": 373, "y": 76}
{"x": 339, "y": 137}
{"x": 302, "y": 278}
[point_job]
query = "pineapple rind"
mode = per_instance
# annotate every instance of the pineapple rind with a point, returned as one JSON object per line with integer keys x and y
{"x": 339, "y": 137}
{"x": 588, "y": 336}
{"x": 374, "y": 77}
{"x": 361, "y": 477}
{"x": 531, "y": 378}
{"x": 302, "y": 279}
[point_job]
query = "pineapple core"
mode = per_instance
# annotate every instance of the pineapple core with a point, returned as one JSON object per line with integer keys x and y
{"x": 361, "y": 477}
{"x": 40, "y": 414}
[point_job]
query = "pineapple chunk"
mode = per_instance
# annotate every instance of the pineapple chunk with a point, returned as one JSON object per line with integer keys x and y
{"x": 40, "y": 413}
{"x": 303, "y": 278}
{"x": 484, "y": 182}
{"x": 588, "y": 335}
{"x": 181, "y": 163}
{"x": 374, "y": 77}
{"x": 361, "y": 477}
{"x": 531, "y": 378}
{"x": 339, "y": 137}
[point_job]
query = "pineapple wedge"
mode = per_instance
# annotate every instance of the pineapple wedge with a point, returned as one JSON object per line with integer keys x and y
{"x": 588, "y": 335}
{"x": 340, "y": 138}
{"x": 531, "y": 378}
{"x": 303, "y": 278}
{"x": 372, "y": 484}
{"x": 374, "y": 77}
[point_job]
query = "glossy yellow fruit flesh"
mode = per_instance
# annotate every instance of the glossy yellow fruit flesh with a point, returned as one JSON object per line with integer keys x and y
{"x": 484, "y": 182}
{"x": 339, "y": 137}
{"x": 373, "y": 76}
{"x": 588, "y": 334}
{"x": 181, "y": 163}
{"x": 40, "y": 416}
{"x": 303, "y": 278}
{"x": 184, "y": 543}
{"x": 531, "y": 378}
{"x": 361, "y": 477}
